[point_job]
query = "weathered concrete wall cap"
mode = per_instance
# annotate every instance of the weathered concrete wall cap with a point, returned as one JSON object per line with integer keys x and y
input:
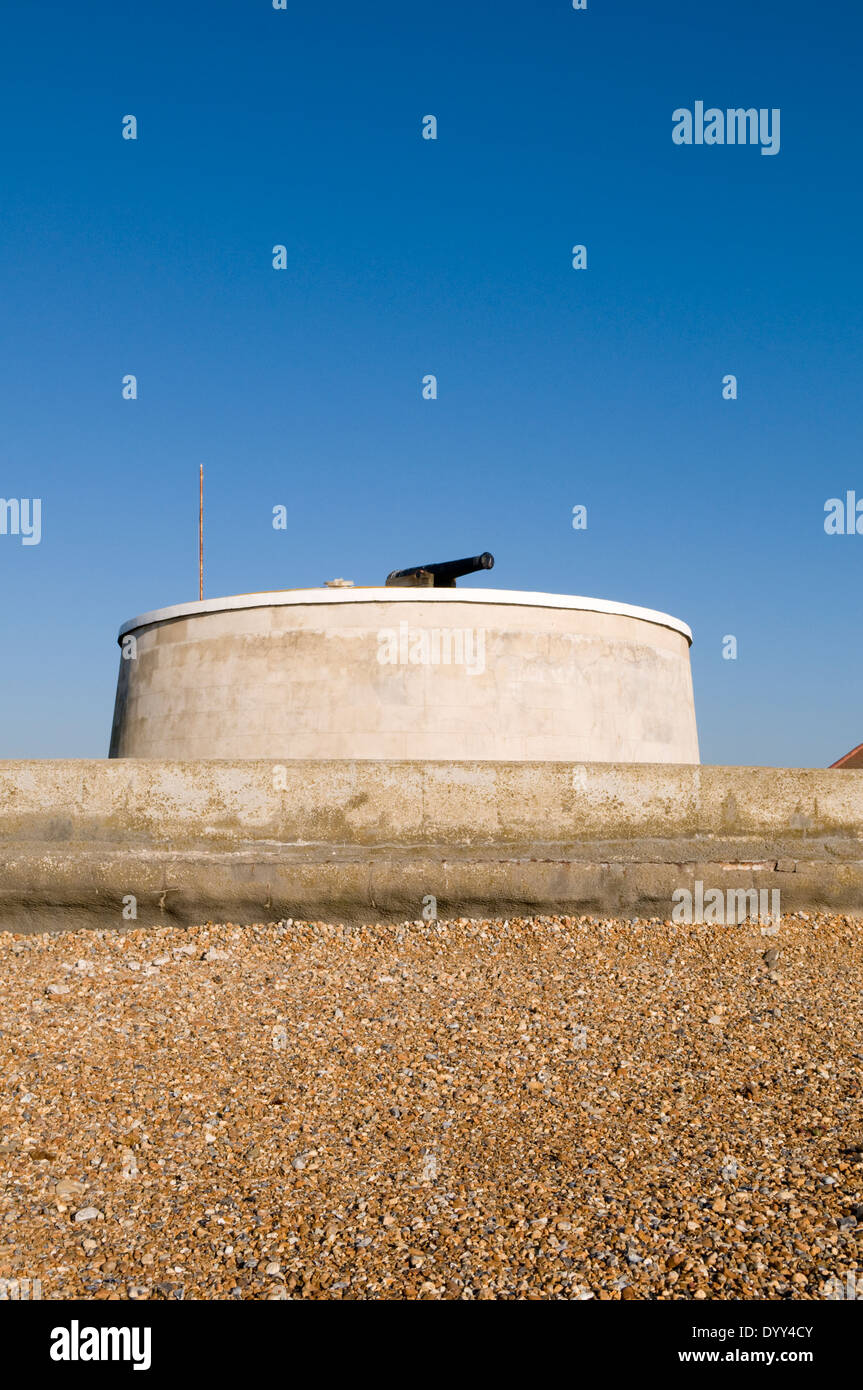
{"x": 289, "y": 597}
{"x": 368, "y": 841}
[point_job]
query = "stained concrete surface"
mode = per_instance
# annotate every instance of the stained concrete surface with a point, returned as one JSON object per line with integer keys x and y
{"x": 362, "y": 841}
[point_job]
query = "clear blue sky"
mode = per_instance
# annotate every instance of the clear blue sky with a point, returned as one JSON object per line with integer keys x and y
{"x": 407, "y": 257}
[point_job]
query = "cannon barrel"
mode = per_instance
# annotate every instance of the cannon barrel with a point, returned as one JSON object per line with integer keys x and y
{"x": 444, "y": 574}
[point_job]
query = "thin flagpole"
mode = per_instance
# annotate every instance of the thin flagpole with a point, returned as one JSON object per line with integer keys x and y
{"x": 201, "y": 533}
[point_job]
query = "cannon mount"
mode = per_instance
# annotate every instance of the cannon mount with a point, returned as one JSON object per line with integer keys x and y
{"x": 442, "y": 575}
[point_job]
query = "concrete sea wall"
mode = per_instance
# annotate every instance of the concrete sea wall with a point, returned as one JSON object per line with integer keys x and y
{"x": 82, "y": 842}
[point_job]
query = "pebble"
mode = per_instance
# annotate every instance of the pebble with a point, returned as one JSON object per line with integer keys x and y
{"x": 564, "y": 1108}
{"x": 68, "y": 1187}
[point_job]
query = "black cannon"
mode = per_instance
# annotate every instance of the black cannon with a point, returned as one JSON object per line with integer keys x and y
{"x": 443, "y": 575}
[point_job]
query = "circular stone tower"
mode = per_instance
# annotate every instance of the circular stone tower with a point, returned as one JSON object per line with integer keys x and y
{"x": 406, "y": 673}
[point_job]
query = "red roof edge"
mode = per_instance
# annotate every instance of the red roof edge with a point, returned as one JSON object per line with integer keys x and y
{"x": 854, "y": 758}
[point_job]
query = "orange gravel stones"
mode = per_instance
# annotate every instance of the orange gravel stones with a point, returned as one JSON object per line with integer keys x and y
{"x": 553, "y": 1108}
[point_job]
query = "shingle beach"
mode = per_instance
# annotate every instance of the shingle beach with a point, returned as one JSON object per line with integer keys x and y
{"x": 553, "y": 1108}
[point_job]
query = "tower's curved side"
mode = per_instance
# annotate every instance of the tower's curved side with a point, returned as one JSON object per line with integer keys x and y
{"x": 406, "y": 674}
